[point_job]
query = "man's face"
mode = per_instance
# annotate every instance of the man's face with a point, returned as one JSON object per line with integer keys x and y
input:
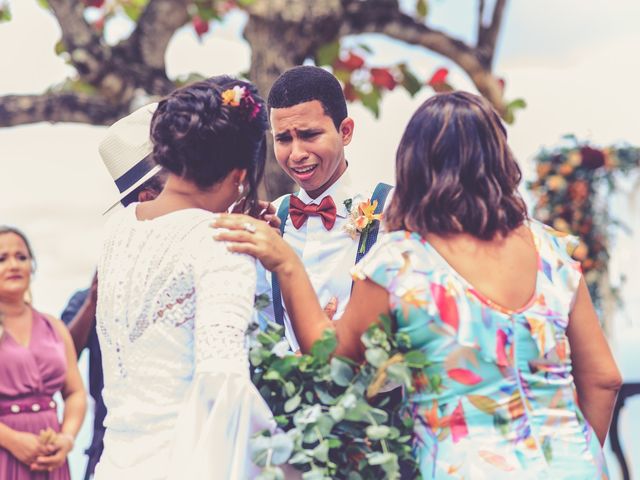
{"x": 308, "y": 147}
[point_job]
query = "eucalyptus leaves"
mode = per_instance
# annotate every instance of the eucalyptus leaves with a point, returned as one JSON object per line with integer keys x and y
{"x": 334, "y": 424}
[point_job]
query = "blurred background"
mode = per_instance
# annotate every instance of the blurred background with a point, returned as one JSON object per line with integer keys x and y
{"x": 551, "y": 68}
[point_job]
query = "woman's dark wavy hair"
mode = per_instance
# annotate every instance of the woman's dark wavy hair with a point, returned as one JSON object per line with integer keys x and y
{"x": 455, "y": 172}
{"x": 198, "y": 137}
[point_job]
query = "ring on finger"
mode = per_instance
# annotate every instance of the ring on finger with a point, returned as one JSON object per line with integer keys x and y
{"x": 249, "y": 227}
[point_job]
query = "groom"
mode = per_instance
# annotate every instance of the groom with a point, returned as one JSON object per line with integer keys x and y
{"x": 311, "y": 128}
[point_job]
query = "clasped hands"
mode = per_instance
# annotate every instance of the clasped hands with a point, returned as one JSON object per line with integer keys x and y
{"x": 42, "y": 453}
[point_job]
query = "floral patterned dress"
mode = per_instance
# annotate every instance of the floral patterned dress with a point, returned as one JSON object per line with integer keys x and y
{"x": 498, "y": 398}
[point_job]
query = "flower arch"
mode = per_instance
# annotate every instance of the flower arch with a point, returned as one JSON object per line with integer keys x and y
{"x": 572, "y": 188}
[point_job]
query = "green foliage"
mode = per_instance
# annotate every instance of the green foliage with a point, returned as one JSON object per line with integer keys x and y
{"x": 59, "y": 48}
{"x": 133, "y": 8}
{"x": 409, "y": 81}
{"x": 422, "y": 9}
{"x": 371, "y": 100}
{"x": 333, "y": 422}
{"x": 328, "y": 53}
{"x": 5, "y": 13}
{"x": 512, "y": 107}
{"x": 206, "y": 9}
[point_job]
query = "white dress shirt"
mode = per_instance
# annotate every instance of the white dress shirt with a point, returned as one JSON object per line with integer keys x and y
{"x": 328, "y": 255}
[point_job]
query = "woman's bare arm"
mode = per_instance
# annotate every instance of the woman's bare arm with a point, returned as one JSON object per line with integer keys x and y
{"x": 73, "y": 391}
{"x": 367, "y": 303}
{"x": 595, "y": 371}
{"x": 368, "y": 300}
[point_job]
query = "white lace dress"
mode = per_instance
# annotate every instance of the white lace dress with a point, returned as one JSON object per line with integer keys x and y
{"x": 173, "y": 309}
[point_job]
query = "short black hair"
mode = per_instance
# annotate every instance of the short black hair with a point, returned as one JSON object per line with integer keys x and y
{"x": 305, "y": 84}
{"x": 455, "y": 172}
{"x": 202, "y": 135}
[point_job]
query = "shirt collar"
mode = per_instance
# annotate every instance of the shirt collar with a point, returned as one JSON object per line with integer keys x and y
{"x": 340, "y": 191}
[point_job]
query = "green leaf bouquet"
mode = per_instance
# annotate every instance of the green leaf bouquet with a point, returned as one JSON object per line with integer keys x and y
{"x": 335, "y": 419}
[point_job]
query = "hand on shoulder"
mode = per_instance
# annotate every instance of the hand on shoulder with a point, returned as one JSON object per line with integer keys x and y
{"x": 245, "y": 234}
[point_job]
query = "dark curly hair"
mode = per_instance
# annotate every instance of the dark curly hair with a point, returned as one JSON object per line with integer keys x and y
{"x": 305, "y": 84}
{"x": 198, "y": 136}
{"x": 455, "y": 172}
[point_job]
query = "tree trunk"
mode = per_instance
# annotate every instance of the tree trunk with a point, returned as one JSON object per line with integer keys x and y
{"x": 280, "y": 39}
{"x": 268, "y": 60}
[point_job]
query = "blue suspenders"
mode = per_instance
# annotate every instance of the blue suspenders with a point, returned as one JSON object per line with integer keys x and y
{"x": 276, "y": 297}
{"x": 380, "y": 194}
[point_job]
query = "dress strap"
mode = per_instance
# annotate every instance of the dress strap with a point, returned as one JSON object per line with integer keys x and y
{"x": 41, "y": 319}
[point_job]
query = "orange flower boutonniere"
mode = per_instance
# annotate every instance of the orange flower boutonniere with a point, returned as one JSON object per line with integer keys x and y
{"x": 361, "y": 219}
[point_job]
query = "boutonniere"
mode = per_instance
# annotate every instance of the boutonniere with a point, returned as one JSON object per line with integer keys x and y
{"x": 361, "y": 219}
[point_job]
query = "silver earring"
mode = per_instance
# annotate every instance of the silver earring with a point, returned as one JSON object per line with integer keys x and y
{"x": 240, "y": 189}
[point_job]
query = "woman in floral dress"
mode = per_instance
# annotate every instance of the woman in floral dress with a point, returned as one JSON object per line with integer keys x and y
{"x": 521, "y": 382}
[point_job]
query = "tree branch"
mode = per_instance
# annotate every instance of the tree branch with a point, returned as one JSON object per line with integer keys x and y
{"x": 156, "y": 26}
{"x": 390, "y": 21}
{"x": 87, "y": 52}
{"x": 296, "y": 11}
{"x": 58, "y": 107}
{"x": 488, "y": 36}
{"x": 481, "y": 6}
{"x": 395, "y": 24}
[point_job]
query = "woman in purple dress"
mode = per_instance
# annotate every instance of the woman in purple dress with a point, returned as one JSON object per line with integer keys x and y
{"x": 37, "y": 359}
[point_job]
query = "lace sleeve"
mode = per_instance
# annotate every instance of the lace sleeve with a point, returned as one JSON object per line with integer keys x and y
{"x": 222, "y": 410}
{"x": 225, "y": 286}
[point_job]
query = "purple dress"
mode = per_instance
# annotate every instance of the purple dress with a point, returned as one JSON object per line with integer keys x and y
{"x": 29, "y": 376}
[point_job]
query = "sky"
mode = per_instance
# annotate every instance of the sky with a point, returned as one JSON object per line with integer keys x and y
{"x": 574, "y": 62}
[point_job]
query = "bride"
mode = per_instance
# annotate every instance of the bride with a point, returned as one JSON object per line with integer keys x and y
{"x": 174, "y": 304}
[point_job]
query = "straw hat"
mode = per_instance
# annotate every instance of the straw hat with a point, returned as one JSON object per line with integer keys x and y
{"x": 124, "y": 150}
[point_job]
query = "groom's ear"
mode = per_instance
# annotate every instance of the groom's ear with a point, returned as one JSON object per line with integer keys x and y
{"x": 346, "y": 130}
